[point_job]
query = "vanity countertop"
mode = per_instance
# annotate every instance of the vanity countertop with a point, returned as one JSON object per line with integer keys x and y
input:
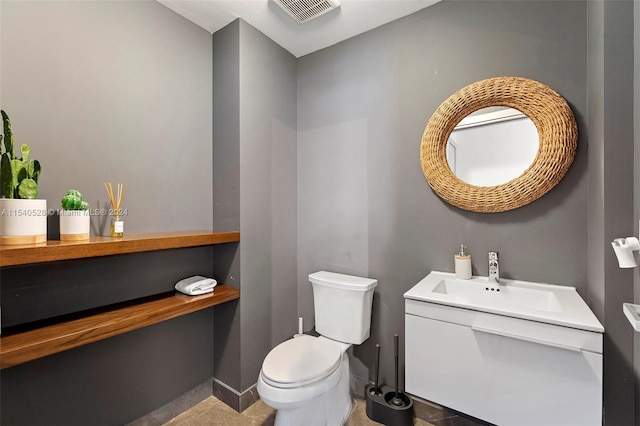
{"x": 546, "y": 303}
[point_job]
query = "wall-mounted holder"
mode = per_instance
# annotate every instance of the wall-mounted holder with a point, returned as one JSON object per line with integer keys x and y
{"x": 624, "y": 248}
{"x": 632, "y": 312}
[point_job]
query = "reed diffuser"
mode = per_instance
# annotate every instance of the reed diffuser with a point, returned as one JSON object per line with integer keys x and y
{"x": 117, "y": 225}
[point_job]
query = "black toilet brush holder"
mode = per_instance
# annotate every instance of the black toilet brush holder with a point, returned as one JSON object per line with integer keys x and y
{"x": 380, "y": 408}
{"x": 386, "y": 404}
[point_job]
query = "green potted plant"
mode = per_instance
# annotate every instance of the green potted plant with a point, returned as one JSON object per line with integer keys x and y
{"x": 23, "y": 218}
{"x": 74, "y": 217}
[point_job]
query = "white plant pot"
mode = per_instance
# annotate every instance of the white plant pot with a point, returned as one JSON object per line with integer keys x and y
{"x": 22, "y": 221}
{"x": 74, "y": 225}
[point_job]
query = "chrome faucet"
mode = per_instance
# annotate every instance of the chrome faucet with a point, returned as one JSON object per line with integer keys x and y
{"x": 494, "y": 267}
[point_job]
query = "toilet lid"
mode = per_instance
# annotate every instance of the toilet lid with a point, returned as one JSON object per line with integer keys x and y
{"x": 301, "y": 360}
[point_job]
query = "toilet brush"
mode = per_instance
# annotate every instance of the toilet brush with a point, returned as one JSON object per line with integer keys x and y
{"x": 396, "y": 400}
{"x": 376, "y": 389}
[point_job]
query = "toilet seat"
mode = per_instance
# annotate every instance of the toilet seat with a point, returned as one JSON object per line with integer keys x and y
{"x": 300, "y": 361}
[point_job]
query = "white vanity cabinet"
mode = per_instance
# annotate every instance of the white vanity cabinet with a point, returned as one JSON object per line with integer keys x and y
{"x": 502, "y": 369}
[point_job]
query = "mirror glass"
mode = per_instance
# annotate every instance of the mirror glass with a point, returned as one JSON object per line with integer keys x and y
{"x": 492, "y": 146}
{"x": 548, "y": 159}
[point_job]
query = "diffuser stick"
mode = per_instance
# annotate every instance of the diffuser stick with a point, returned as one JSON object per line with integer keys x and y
{"x": 117, "y": 225}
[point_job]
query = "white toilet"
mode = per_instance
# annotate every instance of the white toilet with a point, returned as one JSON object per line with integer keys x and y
{"x": 306, "y": 379}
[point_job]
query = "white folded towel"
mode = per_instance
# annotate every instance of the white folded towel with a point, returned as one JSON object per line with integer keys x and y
{"x": 196, "y": 285}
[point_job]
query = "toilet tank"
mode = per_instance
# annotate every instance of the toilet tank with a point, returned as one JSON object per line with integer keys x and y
{"x": 342, "y": 305}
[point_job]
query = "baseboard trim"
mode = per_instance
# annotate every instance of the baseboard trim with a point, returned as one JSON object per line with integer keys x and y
{"x": 239, "y": 401}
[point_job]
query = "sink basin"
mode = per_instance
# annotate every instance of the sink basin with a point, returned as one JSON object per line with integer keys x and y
{"x": 514, "y": 295}
{"x": 553, "y": 304}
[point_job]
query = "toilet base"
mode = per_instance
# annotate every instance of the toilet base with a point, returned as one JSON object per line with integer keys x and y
{"x": 330, "y": 408}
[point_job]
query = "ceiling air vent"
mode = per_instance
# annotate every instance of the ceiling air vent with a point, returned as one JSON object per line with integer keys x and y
{"x": 306, "y": 10}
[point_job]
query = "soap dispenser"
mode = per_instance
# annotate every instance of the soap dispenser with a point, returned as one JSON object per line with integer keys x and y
{"x": 463, "y": 264}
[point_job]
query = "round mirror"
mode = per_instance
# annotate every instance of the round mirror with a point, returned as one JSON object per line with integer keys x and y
{"x": 492, "y": 146}
{"x": 557, "y": 140}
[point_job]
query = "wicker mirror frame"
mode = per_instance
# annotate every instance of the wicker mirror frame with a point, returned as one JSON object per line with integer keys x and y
{"x": 557, "y": 132}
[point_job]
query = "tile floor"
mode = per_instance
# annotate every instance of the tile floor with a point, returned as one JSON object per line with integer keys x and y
{"x": 212, "y": 411}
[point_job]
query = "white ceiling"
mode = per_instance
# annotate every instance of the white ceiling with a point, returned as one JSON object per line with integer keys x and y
{"x": 351, "y": 18}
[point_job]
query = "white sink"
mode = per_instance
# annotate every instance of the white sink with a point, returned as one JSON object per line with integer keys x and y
{"x": 512, "y": 353}
{"x": 552, "y": 304}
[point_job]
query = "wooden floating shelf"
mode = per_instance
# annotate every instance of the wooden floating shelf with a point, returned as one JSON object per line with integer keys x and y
{"x": 30, "y": 345}
{"x": 51, "y": 251}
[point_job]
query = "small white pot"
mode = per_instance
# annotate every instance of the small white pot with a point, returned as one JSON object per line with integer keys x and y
{"x": 22, "y": 221}
{"x": 74, "y": 225}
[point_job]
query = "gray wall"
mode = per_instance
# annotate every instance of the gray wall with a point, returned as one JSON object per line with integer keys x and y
{"x": 226, "y": 194}
{"x": 636, "y": 188}
{"x": 611, "y": 189}
{"x": 255, "y": 187}
{"x": 113, "y": 92}
{"x": 363, "y": 104}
